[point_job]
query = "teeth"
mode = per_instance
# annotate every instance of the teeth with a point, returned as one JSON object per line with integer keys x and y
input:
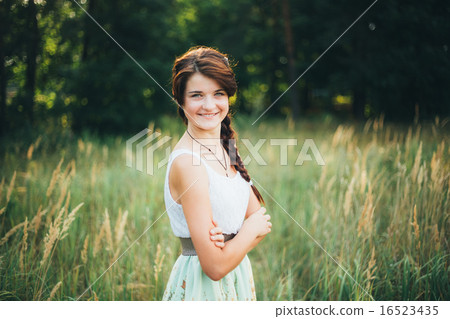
{"x": 211, "y": 115}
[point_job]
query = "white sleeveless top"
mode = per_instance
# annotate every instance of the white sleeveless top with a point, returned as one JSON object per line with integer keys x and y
{"x": 229, "y": 198}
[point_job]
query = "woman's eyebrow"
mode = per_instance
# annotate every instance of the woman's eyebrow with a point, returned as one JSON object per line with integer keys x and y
{"x": 202, "y": 92}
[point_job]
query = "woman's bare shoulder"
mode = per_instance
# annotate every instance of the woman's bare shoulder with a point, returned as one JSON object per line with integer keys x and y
{"x": 186, "y": 170}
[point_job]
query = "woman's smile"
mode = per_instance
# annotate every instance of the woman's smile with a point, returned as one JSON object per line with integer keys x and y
{"x": 209, "y": 115}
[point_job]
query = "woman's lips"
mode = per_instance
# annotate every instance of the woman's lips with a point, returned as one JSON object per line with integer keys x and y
{"x": 209, "y": 115}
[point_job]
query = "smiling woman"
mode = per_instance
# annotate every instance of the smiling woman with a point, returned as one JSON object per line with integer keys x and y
{"x": 214, "y": 189}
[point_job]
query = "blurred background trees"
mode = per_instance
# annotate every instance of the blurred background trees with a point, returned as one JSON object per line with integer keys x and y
{"x": 60, "y": 69}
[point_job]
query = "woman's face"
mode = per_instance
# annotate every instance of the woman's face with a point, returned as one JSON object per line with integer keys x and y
{"x": 205, "y": 102}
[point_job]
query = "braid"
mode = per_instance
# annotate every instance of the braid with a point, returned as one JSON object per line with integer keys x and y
{"x": 228, "y": 138}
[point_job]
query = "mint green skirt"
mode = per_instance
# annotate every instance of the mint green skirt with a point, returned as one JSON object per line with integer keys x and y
{"x": 187, "y": 281}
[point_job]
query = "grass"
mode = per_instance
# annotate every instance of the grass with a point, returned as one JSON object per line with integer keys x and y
{"x": 69, "y": 207}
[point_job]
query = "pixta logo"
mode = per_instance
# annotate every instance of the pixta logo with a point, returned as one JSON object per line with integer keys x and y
{"x": 150, "y": 144}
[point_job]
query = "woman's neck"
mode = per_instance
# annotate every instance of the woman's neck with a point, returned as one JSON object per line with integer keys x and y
{"x": 209, "y": 138}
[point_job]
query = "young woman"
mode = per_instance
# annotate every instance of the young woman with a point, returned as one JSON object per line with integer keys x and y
{"x": 203, "y": 186}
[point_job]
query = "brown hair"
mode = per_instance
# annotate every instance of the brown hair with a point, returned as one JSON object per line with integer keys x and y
{"x": 215, "y": 65}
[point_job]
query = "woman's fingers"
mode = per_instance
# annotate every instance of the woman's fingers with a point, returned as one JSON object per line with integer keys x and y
{"x": 215, "y": 230}
{"x": 219, "y": 238}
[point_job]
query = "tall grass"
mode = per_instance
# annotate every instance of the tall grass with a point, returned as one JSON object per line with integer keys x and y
{"x": 70, "y": 207}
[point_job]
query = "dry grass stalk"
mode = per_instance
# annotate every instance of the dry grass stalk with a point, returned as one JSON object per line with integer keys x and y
{"x": 362, "y": 188}
{"x": 322, "y": 176}
{"x": 417, "y": 136}
{"x": 378, "y": 123}
{"x": 88, "y": 149}
{"x": 80, "y": 145}
{"x": 436, "y": 239}
{"x": 367, "y": 126}
{"x": 2, "y": 184}
{"x": 416, "y": 166}
{"x": 371, "y": 268}
{"x": 366, "y": 220}
{"x": 337, "y": 136}
{"x": 24, "y": 245}
{"x": 375, "y": 125}
{"x": 67, "y": 172}
{"x": 387, "y": 135}
{"x": 395, "y": 138}
{"x": 30, "y": 152}
{"x": 69, "y": 220}
{"x": 98, "y": 240}
{"x": 36, "y": 221}
{"x": 435, "y": 165}
{"x": 119, "y": 231}
{"x": 158, "y": 263}
{"x": 32, "y": 147}
{"x": 54, "y": 290}
{"x": 10, "y": 189}
{"x": 73, "y": 171}
{"x": 59, "y": 203}
{"x": 84, "y": 252}
{"x": 120, "y": 226}
{"x": 105, "y": 152}
{"x": 63, "y": 194}
{"x": 2, "y": 210}
{"x": 421, "y": 176}
{"x": 108, "y": 232}
{"x": 10, "y": 233}
{"x": 66, "y": 205}
{"x": 330, "y": 183}
{"x": 348, "y": 198}
{"x": 51, "y": 237}
{"x": 416, "y": 227}
{"x": 365, "y": 156}
{"x": 54, "y": 178}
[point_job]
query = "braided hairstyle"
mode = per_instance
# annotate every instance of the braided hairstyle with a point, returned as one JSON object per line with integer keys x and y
{"x": 215, "y": 65}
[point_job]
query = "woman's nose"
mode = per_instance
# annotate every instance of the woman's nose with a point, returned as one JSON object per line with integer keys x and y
{"x": 209, "y": 103}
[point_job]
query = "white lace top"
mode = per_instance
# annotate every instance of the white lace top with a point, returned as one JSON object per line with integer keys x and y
{"x": 229, "y": 198}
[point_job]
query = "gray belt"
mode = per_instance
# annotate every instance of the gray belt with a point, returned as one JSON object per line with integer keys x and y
{"x": 188, "y": 247}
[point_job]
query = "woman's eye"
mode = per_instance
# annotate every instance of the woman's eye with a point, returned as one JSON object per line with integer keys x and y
{"x": 220, "y": 94}
{"x": 196, "y": 95}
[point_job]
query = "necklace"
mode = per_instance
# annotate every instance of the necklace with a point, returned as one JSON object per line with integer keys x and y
{"x": 224, "y": 166}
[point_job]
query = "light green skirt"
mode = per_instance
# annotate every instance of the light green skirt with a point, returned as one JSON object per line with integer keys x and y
{"x": 187, "y": 281}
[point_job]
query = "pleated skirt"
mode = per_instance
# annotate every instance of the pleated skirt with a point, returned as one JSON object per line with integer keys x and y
{"x": 187, "y": 281}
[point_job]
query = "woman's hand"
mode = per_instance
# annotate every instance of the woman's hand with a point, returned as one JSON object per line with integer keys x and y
{"x": 216, "y": 235}
{"x": 258, "y": 223}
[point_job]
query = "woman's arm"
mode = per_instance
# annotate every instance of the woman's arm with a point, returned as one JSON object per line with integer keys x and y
{"x": 253, "y": 206}
{"x": 191, "y": 181}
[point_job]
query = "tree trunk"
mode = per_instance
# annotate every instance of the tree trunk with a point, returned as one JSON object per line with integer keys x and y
{"x": 291, "y": 59}
{"x": 86, "y": 38}
{"x": 32, "y": 52}
{"x": 359, "y": 44}
{"x": 4, "y": 28}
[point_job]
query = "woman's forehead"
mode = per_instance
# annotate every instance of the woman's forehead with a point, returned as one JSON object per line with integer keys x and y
{"x": 199, "y": 82}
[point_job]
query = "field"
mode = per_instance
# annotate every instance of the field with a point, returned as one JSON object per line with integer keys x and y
{"x": 379, "y": 207}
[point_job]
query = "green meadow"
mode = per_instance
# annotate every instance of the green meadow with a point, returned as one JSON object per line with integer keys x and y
{"x": 372, "y": 223}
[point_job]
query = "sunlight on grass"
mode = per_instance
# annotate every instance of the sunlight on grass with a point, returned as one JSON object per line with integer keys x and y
{"x": 69, "y": 206}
